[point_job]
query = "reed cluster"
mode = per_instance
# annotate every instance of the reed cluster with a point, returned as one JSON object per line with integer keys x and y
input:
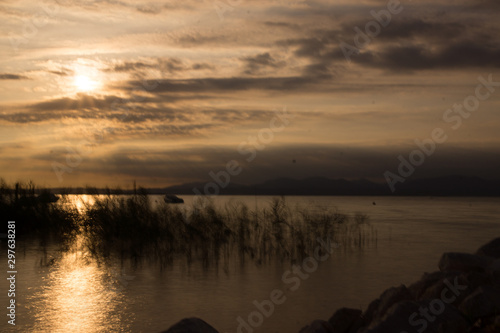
{"x": 134, "y": 227}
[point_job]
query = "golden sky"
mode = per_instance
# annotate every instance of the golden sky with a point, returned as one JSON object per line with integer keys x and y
{"x": 163, "y": 92}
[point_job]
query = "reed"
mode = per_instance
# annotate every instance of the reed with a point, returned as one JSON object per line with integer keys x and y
{"x": 35, "y": 215}
{"x": 132, "y": 227}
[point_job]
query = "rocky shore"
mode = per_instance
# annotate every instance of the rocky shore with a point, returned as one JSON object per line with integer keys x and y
{"x": 462, "y": 297}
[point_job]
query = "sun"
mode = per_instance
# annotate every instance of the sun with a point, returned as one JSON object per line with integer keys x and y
{"x": 84, "y": 83}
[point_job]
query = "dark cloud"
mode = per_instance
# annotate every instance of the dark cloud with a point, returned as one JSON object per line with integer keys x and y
{"x": 202, "y": 66}
{"x": 323, "y": 52}
{"x": 131, "y": 66}
{"x": 261, "y": 61}
{"x": 13, "y": 77}
{"x": 162, "y": 129}
{"x": 80, "y": 102}
{"x": 311, "y": 47}
{"x": 485, "y": 4}
{"x": 171, "y": 65}
{"x": 129, "y": 111}
{"x": 465, "y": 54}
{"x": 84, "y": 102}
{"x": 207, "y": 85}
{"x": 418, "y": 44}
{"x": 62, "y": 72}
{"x": 407, "y": 29}
{"x": 407, "y": 43}
{"x": 149, "y": 9}
{"x": 333, "y": 161}
{"x": 200, "y": 39}
{"x": 162, "y": 65}
{"x": 281, "y": 25}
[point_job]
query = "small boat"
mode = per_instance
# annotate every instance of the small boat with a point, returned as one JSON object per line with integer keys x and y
{"x": 47, "y": 197}
{"x": 173, "y": 199}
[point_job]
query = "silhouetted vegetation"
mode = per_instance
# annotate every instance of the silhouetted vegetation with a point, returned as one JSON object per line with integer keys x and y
{"x": 36, "y": 215}
{"x": 133, "y": 227}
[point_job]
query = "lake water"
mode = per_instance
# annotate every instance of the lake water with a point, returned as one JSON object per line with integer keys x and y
{"x": 72, "y": 293}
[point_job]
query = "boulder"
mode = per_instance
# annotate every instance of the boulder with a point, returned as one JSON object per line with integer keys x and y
{"x": 371, "y": 311}
{"x": 483, "y": 302}
{"x": 191, "y": 325}
{"x": 392, "y": 296}
{"x": 431, "y": 316}
{"x": 318, "y": 326}
{"x": 463, "y": 262}
{"x": 345, "y": 319}
{"x": 455, "y": 287}
{"x": 495, "y": 266}
{"x": 377, "y": 308}
{"x": 428, "y": 280}
{"x": 491, "y": 249}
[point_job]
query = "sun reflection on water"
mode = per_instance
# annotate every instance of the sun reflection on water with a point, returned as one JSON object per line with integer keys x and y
{"x": 82, "y": 201}
{"x": 79, "y": 296}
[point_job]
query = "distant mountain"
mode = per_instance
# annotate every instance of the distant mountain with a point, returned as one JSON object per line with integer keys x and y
{"x": 441, "y": 186}
{"x": 451, "y": 186}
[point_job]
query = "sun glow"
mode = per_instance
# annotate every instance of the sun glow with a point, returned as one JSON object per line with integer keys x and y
{"x": 85, "y": 84}
{"x": 87, "y": 76}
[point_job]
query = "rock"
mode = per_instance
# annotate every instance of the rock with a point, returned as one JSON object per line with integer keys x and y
{"x": 318, "y": 326}
{"x": 464, "y": 262}
{"x": 419, "y": 288}
{"x": 455, "y": 287}
{"x": 491, "y": 249}
{"x": 495, "y": 266}
{"x": 431, "y": 316}
{"x": 344, "y": 319}
{"x": 392, "y": 296}
{"x": 191, "y": 325}
{"x": 483, "y": 302}
{"x": 495, "y": 277}
{"x": 491, "y": 325}
{"x": 379, "y": 307}
{"x": 477, "y": 279}
{"x": 371, "y": 311}
{"x": 454, "y": 326}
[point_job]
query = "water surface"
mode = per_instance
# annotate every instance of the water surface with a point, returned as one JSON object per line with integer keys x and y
{"x": 71, "y": 292}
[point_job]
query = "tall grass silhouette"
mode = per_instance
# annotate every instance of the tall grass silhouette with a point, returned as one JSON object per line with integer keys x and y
{"x": 35, "y": 216}
{"x": 133, "y": 227}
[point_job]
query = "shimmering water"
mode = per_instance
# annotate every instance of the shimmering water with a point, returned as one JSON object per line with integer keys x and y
{"x": 71, "y": 292}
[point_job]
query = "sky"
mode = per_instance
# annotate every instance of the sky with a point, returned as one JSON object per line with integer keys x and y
{"x": 104, "y": 93}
